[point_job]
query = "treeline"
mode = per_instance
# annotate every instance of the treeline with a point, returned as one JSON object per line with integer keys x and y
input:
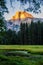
{"x": 28, "y": 35}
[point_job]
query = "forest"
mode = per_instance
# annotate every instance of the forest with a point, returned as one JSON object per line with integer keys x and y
{"x": 27, "y": 35}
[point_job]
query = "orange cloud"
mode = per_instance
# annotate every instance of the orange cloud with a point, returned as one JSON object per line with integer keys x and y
{"x": 21, "y": 15}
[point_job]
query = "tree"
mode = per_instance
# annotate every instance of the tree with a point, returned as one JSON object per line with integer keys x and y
{"x": 14, "y": 39}
{"x": 42, "y": 33}
{"x": 3, "y": 9}
{"x": 27, "y": 33}
{"x": 32, "y": 33}
{"x": 39, "y": 32}
{"x": 22, "y": 31}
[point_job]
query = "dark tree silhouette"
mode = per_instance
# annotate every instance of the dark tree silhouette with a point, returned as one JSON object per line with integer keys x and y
{"x": 3, "y": 9}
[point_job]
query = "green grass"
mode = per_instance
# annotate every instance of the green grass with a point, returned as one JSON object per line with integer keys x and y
{"x": 14, "y": 60}
{"x": 32, "y": 48}
{"x": 19, "y": 60}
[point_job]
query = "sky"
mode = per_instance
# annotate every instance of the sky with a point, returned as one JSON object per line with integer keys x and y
{"x": 17, "y": 7}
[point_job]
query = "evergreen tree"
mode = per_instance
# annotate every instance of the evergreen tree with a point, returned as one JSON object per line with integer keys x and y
{"x": 27, "y": 33}
{"x": 32, "y": 32}
{"x": 39, "y": 32}
{"x": 22, "y": 29}
{"x": 3, "y": 9}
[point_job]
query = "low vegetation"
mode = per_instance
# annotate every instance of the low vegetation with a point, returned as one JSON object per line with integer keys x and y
{"x": 31, "y": 59}
{"x": 21, "y": 55}
{"x": 33, "y": 48}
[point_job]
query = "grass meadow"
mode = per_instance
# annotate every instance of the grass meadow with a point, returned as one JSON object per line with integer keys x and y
{"x": 11, "y": 55}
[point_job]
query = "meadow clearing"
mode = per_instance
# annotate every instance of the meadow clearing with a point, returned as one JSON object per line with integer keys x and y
{"x": 33, "y": 48}
{"x": 10, "y": 56}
